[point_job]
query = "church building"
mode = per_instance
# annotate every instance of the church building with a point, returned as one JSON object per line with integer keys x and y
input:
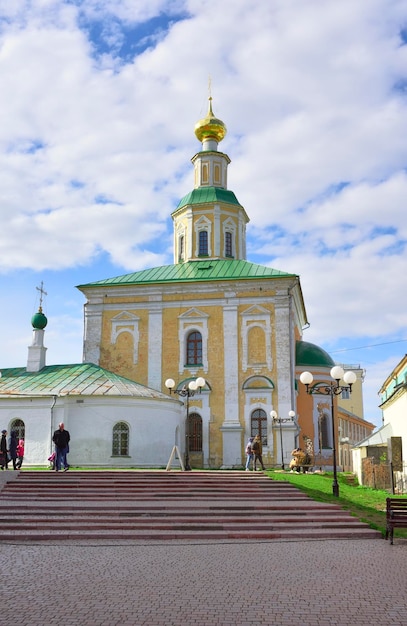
{"x": 211, "y": 314}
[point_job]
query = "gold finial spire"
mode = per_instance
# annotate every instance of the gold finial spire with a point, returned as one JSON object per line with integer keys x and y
{"x": 210, "y": 127}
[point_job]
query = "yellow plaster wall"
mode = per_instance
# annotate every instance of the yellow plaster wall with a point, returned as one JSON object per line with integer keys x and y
{"x": 354, "y": 403}
{"x": 118, "y": 357}
{"x": 216, "y": 376}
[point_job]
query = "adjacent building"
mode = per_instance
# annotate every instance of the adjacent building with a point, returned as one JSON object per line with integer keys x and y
{"x": 386, "y": 445}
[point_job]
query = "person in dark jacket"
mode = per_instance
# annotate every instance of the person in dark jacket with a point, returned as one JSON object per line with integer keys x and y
{"x": 257, "y": 450}
{"x": 12, "y": 448}
{"x": 3, "y": 450}
{"x": 61, "y": 439}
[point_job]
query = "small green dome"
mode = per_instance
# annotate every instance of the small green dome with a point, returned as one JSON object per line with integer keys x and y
{"x": 309, "y": 355}
{"x": 39, "y": 321}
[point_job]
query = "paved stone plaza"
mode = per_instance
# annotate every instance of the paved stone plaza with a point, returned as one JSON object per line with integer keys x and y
{"x": 314, "y": 583}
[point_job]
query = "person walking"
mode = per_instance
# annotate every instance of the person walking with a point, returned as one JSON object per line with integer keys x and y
{"x": 12, "y": 448}
{"x": 249, "y": 453}
{"x": 20, "y": 453}
{"x": 3, "y": 450}
{"x": 61, "y": 439}
{"x": 257, "y": 448}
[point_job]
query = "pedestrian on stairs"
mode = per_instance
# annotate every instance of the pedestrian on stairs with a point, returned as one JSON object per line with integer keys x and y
{"x": 20, "y": 453}
{"x": 257, "y": 448}
{"x": 249, "y": 453}
{"x": 12, "y": 448}
{"x": 3, "y": 450}
{"x": 61, "y": 439}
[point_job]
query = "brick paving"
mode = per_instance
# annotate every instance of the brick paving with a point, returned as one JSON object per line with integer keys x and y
{"x": 311, "y": 583}
{"x": 203, "y": 583}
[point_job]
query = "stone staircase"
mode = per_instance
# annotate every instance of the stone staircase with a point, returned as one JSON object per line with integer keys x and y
{"x": 158, "y": 505}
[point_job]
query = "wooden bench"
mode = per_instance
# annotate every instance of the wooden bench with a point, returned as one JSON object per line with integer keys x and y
{"x": 301, "y": 461}
{"x": 396, "y": 515}
{"x": 302, "y": 468}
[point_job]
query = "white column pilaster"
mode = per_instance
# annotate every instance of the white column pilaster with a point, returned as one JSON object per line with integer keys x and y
{"x": 92, "y": 333}
{"x": 155, "y": 338}
{"x": 231, "y": 427}
{"x": 283, "y": 356}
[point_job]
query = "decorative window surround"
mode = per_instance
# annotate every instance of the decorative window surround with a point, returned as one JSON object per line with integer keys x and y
{"x": 252, "y": 317}
{"x": 192, "y": 320}
{"x": 229, "y": 226}
{"x": 126, "y": 322}
{"x": 181, "y": 246}
{"x": 203, "y": 224}
{"x": 253, "y": 402}
{"x": 258, "y": 392}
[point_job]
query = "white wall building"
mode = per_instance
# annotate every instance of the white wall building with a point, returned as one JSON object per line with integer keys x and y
{"x": 112, "y": 421}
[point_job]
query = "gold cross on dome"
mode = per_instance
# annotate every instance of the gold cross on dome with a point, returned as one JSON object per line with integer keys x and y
{"x": 42, "y": 292}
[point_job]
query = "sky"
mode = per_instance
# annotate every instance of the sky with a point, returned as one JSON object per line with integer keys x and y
{"x": 98, "y": 102}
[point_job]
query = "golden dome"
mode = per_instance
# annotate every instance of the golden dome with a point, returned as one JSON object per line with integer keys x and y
{"x": 210, "y": 127}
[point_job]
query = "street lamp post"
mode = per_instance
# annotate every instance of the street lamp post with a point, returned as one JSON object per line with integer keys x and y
{"x": 281, "y": 421}
{"x": 186, "y": 391}
{"x": 331, "y": 389}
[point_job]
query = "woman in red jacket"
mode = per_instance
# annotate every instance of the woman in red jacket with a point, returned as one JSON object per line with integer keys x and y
{"x": 20, "y": 453}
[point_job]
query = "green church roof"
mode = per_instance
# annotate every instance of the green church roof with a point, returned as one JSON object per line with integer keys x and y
{"x": 309, "y": 355}
{"x": 194, "y": 271}
{"x": 83, "y": 379}
{"x": 204, "y": 195}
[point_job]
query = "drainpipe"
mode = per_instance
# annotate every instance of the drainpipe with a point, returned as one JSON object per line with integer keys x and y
{"x": 52, "y": 421}
{"x": 292, "y": 346}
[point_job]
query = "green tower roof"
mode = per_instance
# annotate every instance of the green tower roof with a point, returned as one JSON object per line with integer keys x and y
{"x": 206, "y": 195}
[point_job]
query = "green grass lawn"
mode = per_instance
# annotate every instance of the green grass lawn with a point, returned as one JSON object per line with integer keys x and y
{"x": 368, "y": 505}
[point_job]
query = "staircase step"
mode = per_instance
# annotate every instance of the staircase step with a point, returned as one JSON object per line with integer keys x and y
{"x": 144, "y": 535}
{"x": 176, "y": 525}
{"x": 158, "y": 505}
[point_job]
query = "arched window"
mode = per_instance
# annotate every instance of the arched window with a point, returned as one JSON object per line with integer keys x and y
{"x": 181, "y": 248}
{"x": 120, "y": 444}
{"x": 203, "y": 243}
{"x": 194, "y": 348}
{"x": 19, "y": 428}
{"x": 228, "y": 244}
{"x": 258, "y": 425}
{"x": 195, "y": 432}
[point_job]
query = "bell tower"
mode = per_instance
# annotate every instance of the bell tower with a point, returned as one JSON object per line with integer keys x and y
{"x": 209, "y": 222}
